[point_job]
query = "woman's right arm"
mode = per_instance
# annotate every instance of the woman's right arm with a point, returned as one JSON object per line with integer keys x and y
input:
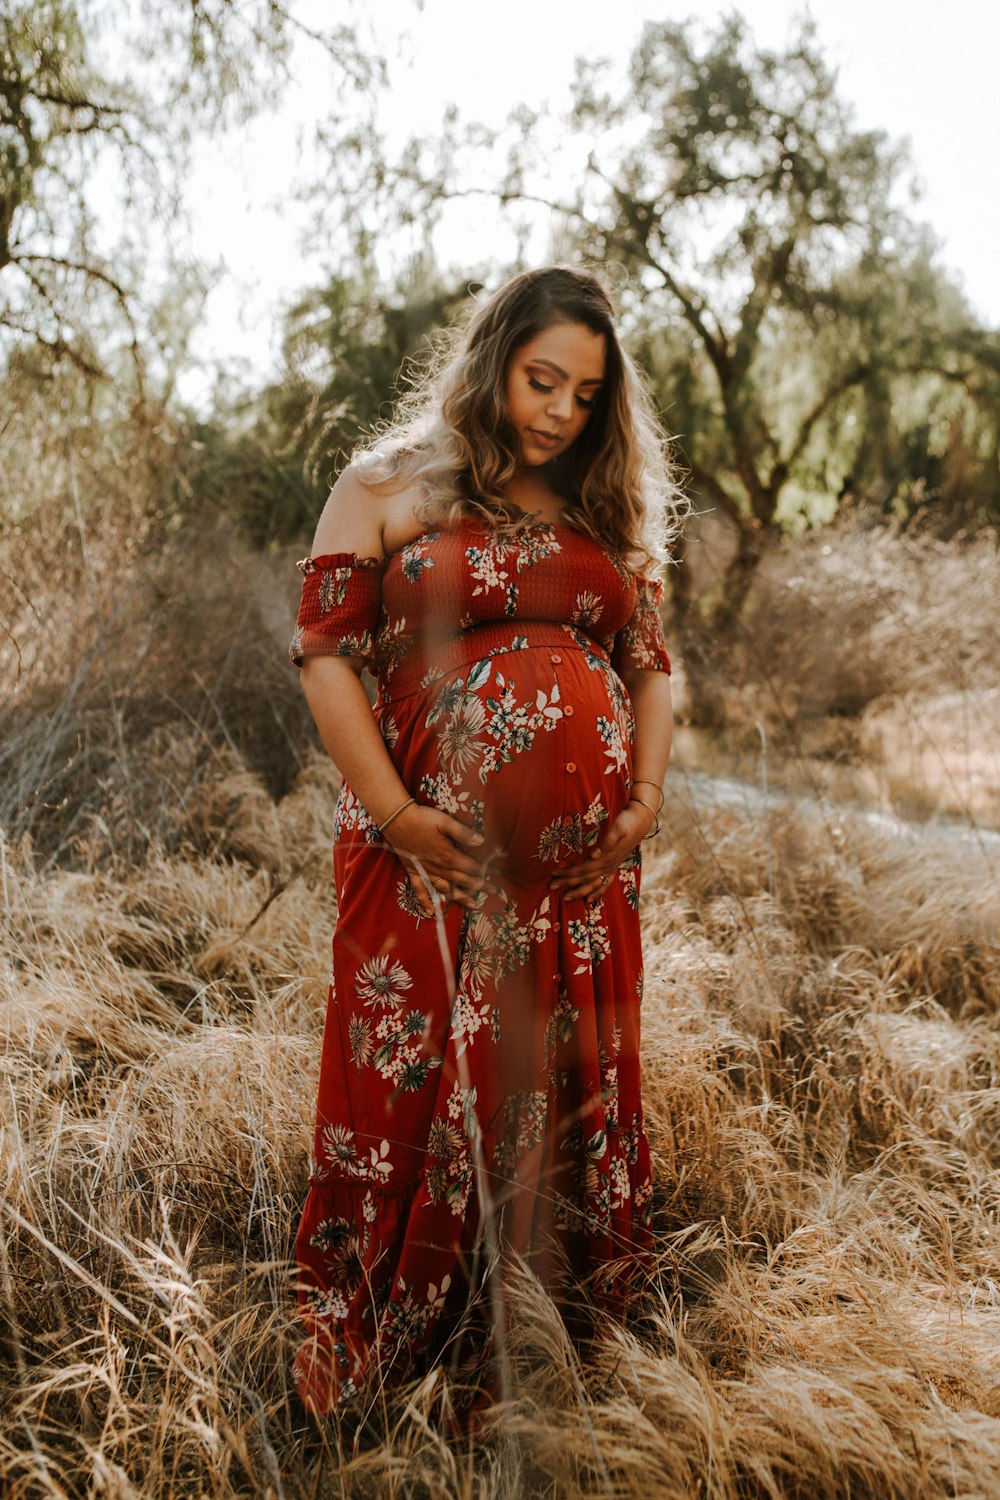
{"x": 425, "y": 838}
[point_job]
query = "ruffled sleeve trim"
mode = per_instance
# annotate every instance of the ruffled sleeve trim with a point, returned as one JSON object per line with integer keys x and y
{"x": 339, "y": 608}
{"x": 641, "y": 644}
{"x": 327, "y": 560}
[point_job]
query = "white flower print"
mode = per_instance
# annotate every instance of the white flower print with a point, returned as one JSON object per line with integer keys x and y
{"x": 513, "y": 725}
{"x": 459, "y": 747}
{"x": 621, "y": 1186}
{"x": 413, "y": 558}
{"x": 477, "y": 948}
{"x": 359, "y": 1035}
{"x": 591, "y": 939}
{"x": 350, "y": 814}
{"x": 333, "y": 588}
{"x": 488, "y": 565}
{"x": 468, "y": 1016}
{"x": 596, "y": 813}
{"x": 523, "y": 1126}
{"x": 406, "y": 900}
{"x": 325, "y": 1303}
{"x": 401, "y": 1057}
{"x": 587, "y": 609}
{"x": 513, "y": 938}
{"x": 339, "y": 1146}
{"x": 377, "y": 984}
{"x": 449, "y": 1173}
{"x": 561, "y": 1025}
{"x": 611, "y": 733}
{"x": 443, "y": 795}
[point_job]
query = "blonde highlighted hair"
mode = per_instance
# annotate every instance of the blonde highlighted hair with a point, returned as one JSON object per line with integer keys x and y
{"x": 452, "y": 435}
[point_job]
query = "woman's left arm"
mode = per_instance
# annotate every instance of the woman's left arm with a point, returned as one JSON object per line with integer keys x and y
{"x": 654, "y": 726}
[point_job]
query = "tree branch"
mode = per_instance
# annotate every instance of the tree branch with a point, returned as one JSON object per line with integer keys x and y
{"x": 779, "y": 473}
{"x": 57, "y": 346}
{"x": 708, "y": 482}
{"x": 94, "y": 272}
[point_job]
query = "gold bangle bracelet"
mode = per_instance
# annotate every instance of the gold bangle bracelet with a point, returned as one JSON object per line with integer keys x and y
{"x": 656, "y": 817}
{"x": 643, "y": 781}
{"x": 381, "y": 827}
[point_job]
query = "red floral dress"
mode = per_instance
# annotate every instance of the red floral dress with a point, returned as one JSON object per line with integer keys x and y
{"x": 479, "y": 1086}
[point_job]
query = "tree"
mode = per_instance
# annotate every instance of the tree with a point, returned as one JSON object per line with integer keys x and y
{"x": 770, "y": 275}
{"x": 270, "y": 458}
{"x": 737, "y": 186}
{"x": 62, "y": 119}
{"x": 53, "y": 110}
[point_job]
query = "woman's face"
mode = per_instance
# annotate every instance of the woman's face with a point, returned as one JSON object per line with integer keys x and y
{"x": 552, "y": 386}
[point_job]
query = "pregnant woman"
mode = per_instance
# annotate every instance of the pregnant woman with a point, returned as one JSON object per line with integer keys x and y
{"x": 490, "y": 560}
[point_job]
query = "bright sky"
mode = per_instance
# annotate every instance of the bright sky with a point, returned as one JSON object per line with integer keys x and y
{"x": 915, "y": 68}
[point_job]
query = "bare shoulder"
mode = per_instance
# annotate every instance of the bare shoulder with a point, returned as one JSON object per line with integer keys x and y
{"x": 403, "y": 516}
{"x": 353, "y": 518}
{"x": 370, "y": 523}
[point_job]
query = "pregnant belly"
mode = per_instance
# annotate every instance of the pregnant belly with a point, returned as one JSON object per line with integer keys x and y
{"x": 532, "y": 746}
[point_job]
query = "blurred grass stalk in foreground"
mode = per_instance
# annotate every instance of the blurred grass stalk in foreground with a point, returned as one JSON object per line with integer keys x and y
{"x": 821, "y": 1055}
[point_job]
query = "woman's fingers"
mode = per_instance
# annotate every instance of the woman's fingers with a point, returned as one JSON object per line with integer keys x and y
{"x": 619, "y": 837}
{"x": 423, "y": 891}
{"x": 461, "y": 833}
{"x": 584, "y": 880}
{"x": 440, "y": 855}
{"x": 432, "y": 882}
{"x": 593, "y": 875}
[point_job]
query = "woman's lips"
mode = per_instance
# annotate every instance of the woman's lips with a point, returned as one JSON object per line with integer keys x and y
{"x": 547, "y": 439}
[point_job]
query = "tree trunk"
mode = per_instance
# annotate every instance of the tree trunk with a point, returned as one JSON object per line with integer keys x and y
{"x": 754, "y": 541}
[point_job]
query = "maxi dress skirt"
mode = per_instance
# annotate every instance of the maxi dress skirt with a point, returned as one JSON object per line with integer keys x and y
{"x": 479, "y": 1093}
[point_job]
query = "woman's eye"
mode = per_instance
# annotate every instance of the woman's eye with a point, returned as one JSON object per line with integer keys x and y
{"x": 587, "y": 405}
{"x": 537, "y": 385}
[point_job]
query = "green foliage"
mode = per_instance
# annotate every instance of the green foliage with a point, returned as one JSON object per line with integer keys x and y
{"x": 269, "y": 460}
{"x": 66, "y": 119}
{"x": 735, "y": 186}
{"x": 55, "y": 113}
{"x": 786, "y": 309}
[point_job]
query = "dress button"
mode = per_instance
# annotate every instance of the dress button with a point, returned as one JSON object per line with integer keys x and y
{"x": 555, "y": 658}
{"x": 556, "y": 926}
{"x": 568, "y": 710}
{"x": 571, "y": 765}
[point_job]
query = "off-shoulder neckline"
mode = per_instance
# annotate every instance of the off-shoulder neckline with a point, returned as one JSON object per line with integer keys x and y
{"x": 346, "y": 559}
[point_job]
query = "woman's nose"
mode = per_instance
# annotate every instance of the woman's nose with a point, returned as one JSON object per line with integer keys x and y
{"x": 560, "y": 404}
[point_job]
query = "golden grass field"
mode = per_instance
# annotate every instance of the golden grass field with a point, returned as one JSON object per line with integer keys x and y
{"x": 822, "y": 1063}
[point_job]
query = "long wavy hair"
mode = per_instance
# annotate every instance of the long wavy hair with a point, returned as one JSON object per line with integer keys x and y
{"x": 452, "y": 436}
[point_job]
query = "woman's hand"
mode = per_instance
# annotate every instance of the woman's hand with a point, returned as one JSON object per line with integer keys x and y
{"x": 592, "y": 876}
{"x": 432, "y": 846}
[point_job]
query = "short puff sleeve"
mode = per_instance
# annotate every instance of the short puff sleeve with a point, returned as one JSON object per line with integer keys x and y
{"x": 339, "y": 608}
{"x": 641, "y": 643}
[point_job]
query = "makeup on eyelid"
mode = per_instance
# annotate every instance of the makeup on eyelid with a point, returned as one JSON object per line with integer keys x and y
{"x": 545, "y": 381}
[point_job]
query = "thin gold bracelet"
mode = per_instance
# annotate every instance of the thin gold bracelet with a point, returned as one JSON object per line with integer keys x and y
{"x": 643, "y": 781}
{"x": 656, "y": 818}
{"x": 386, "y": 821}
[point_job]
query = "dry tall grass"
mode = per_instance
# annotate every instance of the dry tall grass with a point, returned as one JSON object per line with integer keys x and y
{"x": 870, "y": 661}
{"x": 821, "y": 1051}
{"x": 822, "y": 1055}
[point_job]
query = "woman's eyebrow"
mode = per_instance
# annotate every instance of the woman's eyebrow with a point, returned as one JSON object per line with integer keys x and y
{"x": 562, "y": 373}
